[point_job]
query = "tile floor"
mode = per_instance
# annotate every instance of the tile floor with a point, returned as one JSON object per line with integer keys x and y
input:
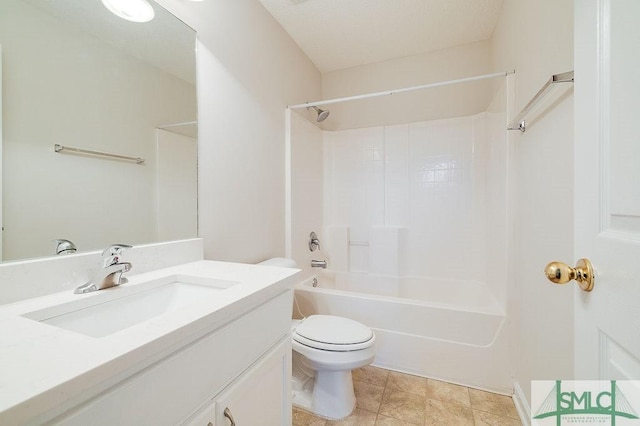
{"x": 387, "y": 398}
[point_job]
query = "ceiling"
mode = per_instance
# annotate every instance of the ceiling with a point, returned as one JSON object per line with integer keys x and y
{"x": 337, "y": 34}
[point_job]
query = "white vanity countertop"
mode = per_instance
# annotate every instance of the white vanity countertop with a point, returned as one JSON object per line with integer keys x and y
{"x": 43, "y": 367}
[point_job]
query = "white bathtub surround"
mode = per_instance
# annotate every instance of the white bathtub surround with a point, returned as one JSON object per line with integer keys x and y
{"x": 386, "y": 251}
{"x": 375, "y": 250}
{"x": 337, "y": 244}
{"x": 448, "y": 330}
{"x": 48, "y": 370}
{"x": 429, "y": 178}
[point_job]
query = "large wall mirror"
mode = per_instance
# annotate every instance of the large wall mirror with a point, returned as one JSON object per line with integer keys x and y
{"x": 76, "y": 75}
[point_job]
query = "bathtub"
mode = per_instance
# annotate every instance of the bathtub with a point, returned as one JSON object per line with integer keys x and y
{"x": 443, "y": 329}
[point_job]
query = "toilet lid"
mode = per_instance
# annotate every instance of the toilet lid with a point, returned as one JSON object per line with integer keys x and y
{"x": 329, "y": 332}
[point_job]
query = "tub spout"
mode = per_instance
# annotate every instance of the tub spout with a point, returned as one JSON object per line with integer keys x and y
{"x": 319, "y": 264}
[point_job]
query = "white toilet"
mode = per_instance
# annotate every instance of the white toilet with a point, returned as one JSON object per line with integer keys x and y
{"x": 326, "y": 349}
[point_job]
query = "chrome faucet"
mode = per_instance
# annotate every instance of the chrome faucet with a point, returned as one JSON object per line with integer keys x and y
{"x": 319, "y": 264}
{"x": 110, "y": 275}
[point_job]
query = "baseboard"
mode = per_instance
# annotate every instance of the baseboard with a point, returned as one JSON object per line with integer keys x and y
{"x": 501, "y": 390}
{"x": 522, "y": 405}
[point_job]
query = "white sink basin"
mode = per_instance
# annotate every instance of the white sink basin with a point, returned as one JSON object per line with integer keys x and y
{"x": 121, "y": 307}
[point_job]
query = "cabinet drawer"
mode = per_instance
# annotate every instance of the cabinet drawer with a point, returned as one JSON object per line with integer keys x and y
{"x": 262, "y": 396}
{"x": 167, "y": 392}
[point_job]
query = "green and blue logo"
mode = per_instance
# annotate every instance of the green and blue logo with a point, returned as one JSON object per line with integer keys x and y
{"x": 588, "y": 402}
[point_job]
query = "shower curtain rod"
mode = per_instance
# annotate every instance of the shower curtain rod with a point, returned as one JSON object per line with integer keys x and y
{"x": 405, "y": 89}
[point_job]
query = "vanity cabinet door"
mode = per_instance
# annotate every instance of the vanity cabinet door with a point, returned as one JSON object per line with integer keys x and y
{"x": 169, "y": 391}
{"x": 262, "y": 395}
{"x": 204, "y": 417}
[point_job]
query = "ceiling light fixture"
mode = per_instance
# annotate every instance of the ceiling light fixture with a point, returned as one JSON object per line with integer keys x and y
{"x": 131, "y": 10}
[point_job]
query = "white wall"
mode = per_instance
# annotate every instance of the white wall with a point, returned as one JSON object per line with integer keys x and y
{"x": 447, "y": 64}
{"x": 536, "y": 38}
{"x": 249, "y": 70}
{"x": 49, "y": 99}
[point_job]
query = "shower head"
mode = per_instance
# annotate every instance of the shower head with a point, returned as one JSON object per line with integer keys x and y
{"x": 322, "y": 114}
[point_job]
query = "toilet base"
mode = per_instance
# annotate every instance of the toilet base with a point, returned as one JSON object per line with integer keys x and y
{"x": 302, "y": 388}
{"x": 329, "y": 394}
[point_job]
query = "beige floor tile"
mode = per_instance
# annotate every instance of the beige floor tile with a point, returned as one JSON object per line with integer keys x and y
{"x": 368, "y": 396}
{"x": 448, "y": 392}
{"x": 441, "y": 413}
{"x": 403, "y": 406}
{"x": 373, "y": 375}
{"x": 389, "y": 421}
{"x": 500, "y": 405}
{"x": 303, "y": 418}
{"x": 358, "y": 418}
{"x": 407, "y": 383}
{"x": 487, "y": 419}
{"x": 385, "y": 398}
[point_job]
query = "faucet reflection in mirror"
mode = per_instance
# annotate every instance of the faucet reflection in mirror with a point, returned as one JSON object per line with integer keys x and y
{"x": 110, "y": 275}
{"x": 64, "y": 246}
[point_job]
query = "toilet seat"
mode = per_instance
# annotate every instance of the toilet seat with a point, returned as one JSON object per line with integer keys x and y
{"x": 331, "y": 333}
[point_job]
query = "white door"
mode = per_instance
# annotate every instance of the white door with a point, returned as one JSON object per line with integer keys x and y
{"x": 607, "y": 187}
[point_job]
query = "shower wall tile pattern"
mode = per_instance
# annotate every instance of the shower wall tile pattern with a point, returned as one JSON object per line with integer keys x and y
{"x": 428, "y": 178}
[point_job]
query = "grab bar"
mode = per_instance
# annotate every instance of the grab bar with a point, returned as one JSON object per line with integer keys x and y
{"x": 519, "y": 122}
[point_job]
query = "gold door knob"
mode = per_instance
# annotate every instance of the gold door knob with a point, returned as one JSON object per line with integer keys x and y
{"x": 561, "y": 273}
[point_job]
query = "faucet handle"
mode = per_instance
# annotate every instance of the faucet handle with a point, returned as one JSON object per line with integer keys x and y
{"x": 114, "y": 250}
{"x": 314, "y": 242}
